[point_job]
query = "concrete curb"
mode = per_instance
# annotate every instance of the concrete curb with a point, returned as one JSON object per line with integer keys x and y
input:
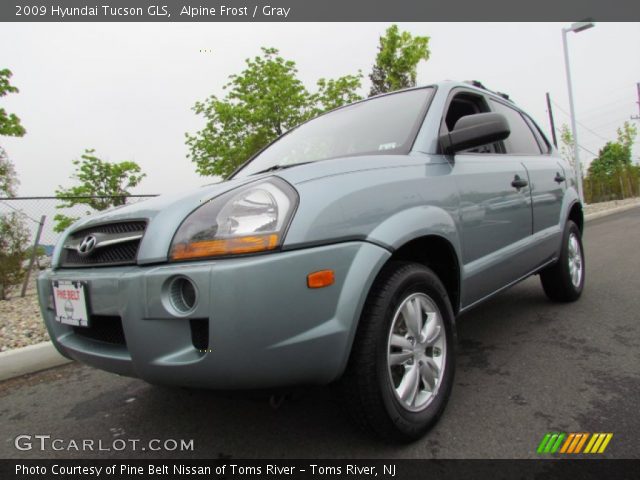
{"x": 29, "y": 359}
{"x": 611, "y": 211}
{"x": 33, "y": 358}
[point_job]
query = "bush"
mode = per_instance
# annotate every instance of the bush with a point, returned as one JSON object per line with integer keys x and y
{"x": 14, "y": 238}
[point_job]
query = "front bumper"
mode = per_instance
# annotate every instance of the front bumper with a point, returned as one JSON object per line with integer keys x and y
{"x": 265, "y": 327}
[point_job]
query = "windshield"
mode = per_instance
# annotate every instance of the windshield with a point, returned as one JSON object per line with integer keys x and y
{"x": 387, "y": 124}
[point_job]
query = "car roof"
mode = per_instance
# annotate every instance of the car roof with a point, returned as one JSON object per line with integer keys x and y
{"x": 449, "y": 85}
{"x": 446, "y": 85}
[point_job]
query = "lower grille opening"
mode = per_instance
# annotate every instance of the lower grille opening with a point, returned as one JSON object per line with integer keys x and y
{"x": 103, "y": 328}
{"x": 200, "y": 333}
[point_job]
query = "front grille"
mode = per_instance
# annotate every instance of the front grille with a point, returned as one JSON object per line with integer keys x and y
{"x": 123, "y": 253}
{"x": 120, "y": 227}
{"x": 103, "y": 328}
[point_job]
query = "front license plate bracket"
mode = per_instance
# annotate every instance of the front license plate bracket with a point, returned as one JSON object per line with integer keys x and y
{"x": 70, "y": 299}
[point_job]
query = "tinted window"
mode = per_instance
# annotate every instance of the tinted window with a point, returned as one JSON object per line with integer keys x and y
{"x": 545, "y": 146}
{"x": 462, "y": 105}
{"x": 521, "y": 139}
{"x": 381, "y": 125}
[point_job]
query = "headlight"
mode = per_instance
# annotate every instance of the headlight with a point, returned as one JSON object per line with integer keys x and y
{"x": 250, "y": 219}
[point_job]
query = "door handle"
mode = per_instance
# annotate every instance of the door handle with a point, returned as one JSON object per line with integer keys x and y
{"x": 519, "y": 182}
{"x": 559, "y": 178}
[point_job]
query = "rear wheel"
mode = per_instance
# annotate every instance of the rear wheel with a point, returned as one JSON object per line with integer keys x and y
{"x": 564, "y": 281}
{"x": 401, "y": 368}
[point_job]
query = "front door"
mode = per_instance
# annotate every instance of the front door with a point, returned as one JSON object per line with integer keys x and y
{"x": 495, "y": 207}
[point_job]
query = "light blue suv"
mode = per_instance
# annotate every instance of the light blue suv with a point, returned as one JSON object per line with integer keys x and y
{"x": 341, "y": 252}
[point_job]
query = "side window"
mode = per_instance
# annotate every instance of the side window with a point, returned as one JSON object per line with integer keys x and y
{"x": 521, "y": 140}
{"x": 461, "y": 105}
{"x": 545, "y": 146}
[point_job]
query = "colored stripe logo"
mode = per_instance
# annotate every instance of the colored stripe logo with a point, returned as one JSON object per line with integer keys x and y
{"x": 574, "y": 443}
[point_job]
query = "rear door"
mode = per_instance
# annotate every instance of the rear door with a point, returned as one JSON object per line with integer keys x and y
{"x": 547, "y": 181}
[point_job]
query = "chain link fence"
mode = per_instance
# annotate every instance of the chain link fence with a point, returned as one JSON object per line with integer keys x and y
{"x": 36, "y": 215}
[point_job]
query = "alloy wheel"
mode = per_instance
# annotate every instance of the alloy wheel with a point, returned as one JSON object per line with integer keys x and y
{"x": 416, "y": 353}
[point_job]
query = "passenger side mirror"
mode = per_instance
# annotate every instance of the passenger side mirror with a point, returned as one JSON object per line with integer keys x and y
{"x": 475, "y": 130}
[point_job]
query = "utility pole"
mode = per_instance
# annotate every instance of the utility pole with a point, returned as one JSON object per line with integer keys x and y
{"x": 552, "y": 124}
{"x": 637, "y": 117}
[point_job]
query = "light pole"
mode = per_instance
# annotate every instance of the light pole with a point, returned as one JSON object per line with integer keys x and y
{"x": 576, "y": 28}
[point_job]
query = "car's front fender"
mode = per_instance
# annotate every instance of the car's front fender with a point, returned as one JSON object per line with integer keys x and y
{"x": 414, "y": 223}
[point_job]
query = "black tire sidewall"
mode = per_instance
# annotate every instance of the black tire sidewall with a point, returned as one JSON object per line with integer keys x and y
{"x": 417, "y": 280}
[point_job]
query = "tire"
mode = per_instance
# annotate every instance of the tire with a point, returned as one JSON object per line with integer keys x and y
{"x": 374, "y": 390}
{"x": 564, "y": 280}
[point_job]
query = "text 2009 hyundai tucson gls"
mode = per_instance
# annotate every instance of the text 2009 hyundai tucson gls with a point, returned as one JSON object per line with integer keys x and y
{"x": 341, "y": 252}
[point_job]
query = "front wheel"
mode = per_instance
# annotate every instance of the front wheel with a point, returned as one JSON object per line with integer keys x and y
{"x": 401, "y": 368}
{"x": 564, "y": 281}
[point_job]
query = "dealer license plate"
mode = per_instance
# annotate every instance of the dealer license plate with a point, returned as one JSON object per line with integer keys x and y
{"x": 70, "y": 299}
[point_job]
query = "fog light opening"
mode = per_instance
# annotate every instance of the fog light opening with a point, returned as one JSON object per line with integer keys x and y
{"x": 200, "y": 334}
{"x": 183, "y": 295}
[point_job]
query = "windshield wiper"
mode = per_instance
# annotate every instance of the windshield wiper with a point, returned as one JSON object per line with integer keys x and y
{"x": 273, "y": 168}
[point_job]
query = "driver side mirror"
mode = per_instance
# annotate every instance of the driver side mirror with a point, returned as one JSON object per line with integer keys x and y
{"x": 475, "y": 130}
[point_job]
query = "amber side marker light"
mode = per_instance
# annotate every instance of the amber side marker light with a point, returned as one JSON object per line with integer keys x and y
{"x": 321, "y": 279}
{"x": 213, "y": 248}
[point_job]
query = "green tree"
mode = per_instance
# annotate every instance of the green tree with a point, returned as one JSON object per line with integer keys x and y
{"x": 567, "y": 145}
{"x": 396, "y": 63}
{"x": 9, "y": 123}
{"x": 262, "y": 102}
{"x": 102, "y": 185}
{"x": 610, "y": 159}
{"x": 612, "y": 173}
{"x": 14, "y": 237}
{"x": 615, "y": 156}
{"x": 8, "y": 177}
{"x": 14, "y": 234}
{"x": 336, "y": 93}
{"x": 626, "y": 137}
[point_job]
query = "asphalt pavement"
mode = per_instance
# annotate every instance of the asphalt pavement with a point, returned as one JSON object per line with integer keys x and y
{"x": 526, "y": 367}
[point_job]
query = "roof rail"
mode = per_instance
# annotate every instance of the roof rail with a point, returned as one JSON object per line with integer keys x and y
{"x": 478, "y": 84}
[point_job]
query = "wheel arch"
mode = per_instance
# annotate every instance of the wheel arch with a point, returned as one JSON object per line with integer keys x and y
{"x": 577, "y": 216}
{"x": 438, "y": 254}
{"x": 432, "y": 250}
{"x": 427, "y": 235}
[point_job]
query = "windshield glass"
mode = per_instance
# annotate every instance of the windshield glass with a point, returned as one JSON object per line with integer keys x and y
{"x": 386, "y": 124}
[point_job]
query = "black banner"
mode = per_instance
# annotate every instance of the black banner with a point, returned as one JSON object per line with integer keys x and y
{"x": 317, "y": 469}
{"x": 314, "y": 11}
